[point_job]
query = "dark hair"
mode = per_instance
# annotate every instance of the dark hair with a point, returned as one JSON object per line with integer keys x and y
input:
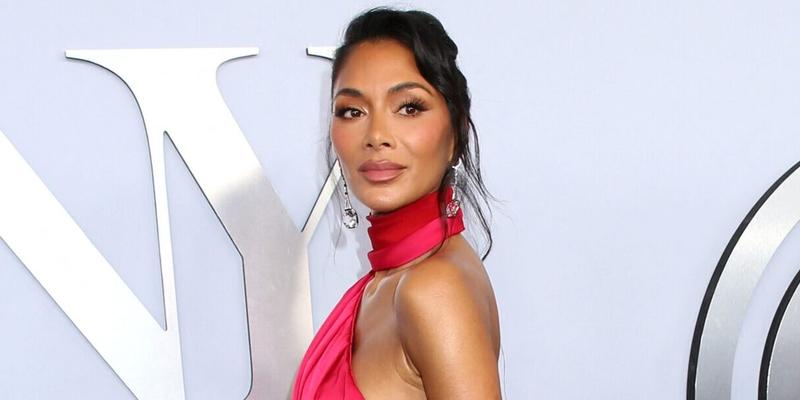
{"x": 435, "y": 55}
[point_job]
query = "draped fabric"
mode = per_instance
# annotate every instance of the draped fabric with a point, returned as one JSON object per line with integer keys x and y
{"x": 325, "y": 372}
{"x": 410, "y": 231}
{"x": 397, "y": 238}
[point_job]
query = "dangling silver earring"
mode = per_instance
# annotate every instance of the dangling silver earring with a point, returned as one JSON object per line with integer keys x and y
{"x": 349, "y": 215}
{"x": 455, "y": 203}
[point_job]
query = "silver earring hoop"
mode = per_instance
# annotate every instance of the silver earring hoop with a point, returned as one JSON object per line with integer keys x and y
{"x": 455, "y": 203}
{"x": 349, "y": 215}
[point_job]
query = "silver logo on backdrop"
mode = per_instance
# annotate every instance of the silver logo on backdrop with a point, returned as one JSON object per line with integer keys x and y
{"x": 178, "y": 96}
{"x": 728, "y": 295}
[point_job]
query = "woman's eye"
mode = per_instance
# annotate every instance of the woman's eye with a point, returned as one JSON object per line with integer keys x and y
{"x": 349, "y": 113}
{"x": 352, "y": 113}
{"x": 409, "y": 109}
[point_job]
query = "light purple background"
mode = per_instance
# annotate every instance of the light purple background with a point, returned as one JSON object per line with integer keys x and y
{"x": 627, "y": 141}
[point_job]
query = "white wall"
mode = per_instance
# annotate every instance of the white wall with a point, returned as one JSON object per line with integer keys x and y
{"x": 627, "y": 140}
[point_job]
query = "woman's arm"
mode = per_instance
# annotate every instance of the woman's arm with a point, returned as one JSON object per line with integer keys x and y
{"x": 446, "y": 329}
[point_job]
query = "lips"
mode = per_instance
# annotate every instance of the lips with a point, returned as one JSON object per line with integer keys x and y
{"x": 380, "y": 171}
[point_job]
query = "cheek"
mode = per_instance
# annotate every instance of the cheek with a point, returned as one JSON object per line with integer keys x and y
{"x": 430, "y": 143}
{"x": 343, "y": 143}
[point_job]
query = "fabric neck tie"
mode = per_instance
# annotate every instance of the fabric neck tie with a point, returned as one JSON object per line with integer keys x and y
{"x": 410, "y": 231}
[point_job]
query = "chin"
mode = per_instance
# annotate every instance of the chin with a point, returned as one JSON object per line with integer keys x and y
{"x": 383, "y": 200}
{"x": 383, "y": 205}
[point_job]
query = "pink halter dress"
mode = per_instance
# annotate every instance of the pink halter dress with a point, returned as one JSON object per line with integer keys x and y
{"x": 397, "y": 238}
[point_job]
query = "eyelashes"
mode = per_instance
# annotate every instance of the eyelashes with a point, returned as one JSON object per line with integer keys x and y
{"x": 410, "y": 107}
{"x": 413, "y": 103}
{"x": 347, "y": 112}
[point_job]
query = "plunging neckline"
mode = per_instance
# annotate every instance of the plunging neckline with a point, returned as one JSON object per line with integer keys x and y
{"x": 398, "y": 238}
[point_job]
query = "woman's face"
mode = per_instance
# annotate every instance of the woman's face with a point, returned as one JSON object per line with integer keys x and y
{"x": 391, "y": 129}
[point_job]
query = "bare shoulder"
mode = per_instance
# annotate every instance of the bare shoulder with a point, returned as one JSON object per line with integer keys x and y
{"x": 448, "y": 325}
{"x": 454, "y": 275}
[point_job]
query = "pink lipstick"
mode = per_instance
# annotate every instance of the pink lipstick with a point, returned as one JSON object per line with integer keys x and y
{"x": 380, "y": 171}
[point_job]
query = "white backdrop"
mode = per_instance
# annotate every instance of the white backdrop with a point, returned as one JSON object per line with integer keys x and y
{"x": 626, "y": 140}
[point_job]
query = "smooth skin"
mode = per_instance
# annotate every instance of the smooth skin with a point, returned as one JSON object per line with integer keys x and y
{"x": 428, "y": 329}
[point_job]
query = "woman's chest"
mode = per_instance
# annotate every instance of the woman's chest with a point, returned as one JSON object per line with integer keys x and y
{"x": 380, "y": 367}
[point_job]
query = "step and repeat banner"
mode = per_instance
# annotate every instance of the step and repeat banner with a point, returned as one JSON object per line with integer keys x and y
{"x": 171, "y": 230}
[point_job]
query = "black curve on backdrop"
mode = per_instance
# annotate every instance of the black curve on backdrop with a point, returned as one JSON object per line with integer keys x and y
{"x": 712, "y": 285}
{"x": 772, "y": 336}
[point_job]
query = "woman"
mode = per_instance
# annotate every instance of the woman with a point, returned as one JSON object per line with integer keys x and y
{"x": 422, "y": 324}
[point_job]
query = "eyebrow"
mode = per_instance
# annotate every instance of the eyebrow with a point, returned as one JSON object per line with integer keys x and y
{"x": 406, "y": 86}
{"x": 348, "y": 92}
{"x": 392, "y": 90}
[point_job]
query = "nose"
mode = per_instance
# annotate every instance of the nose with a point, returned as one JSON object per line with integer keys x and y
{"x": 378, "y": 135}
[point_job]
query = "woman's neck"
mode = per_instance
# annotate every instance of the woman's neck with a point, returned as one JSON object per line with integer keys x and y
{"x": 411, "y": 233}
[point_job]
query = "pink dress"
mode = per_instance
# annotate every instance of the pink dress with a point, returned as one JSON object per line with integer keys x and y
{"x": 326, "y": 370}
{"x": 397, "y": 238}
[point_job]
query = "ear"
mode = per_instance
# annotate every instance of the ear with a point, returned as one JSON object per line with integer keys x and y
{"x": 453, "y": 146}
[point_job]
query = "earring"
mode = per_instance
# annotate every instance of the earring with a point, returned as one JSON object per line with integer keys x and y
{"x": 349, "y": 215}
{"x": 455, "y": 203}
